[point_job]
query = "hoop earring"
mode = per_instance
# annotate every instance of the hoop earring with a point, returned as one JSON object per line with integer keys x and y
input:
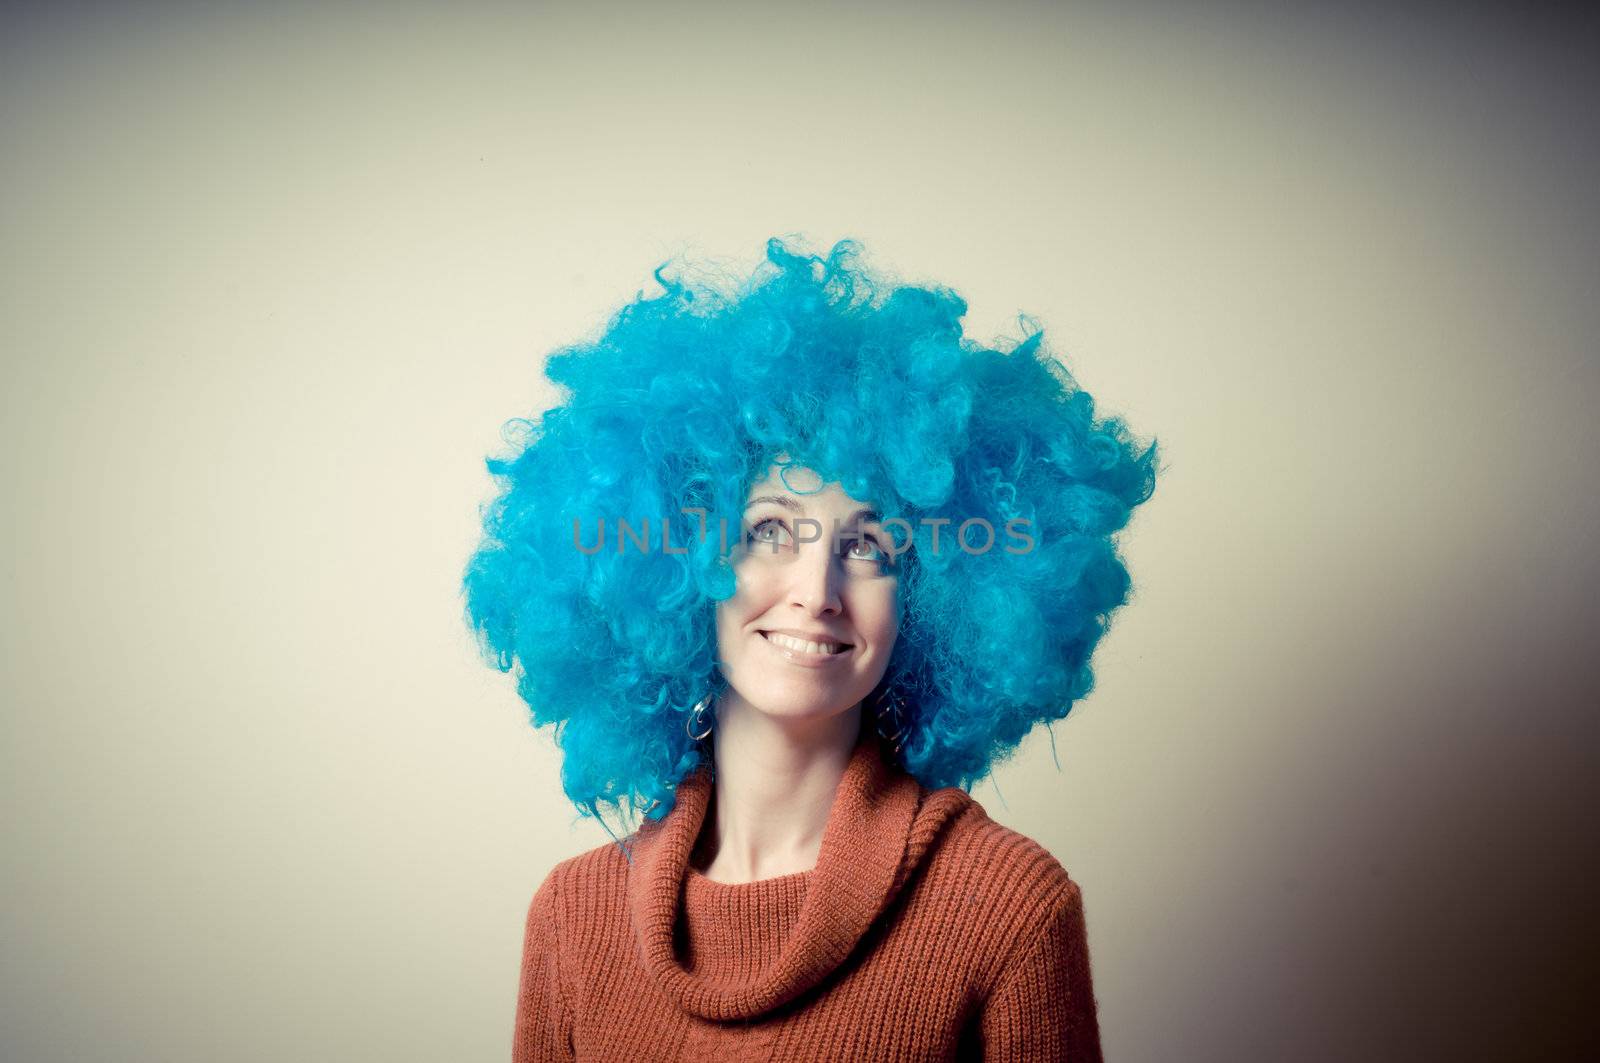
{"x": 697, "y": 718}
{"x": 889, "y": 706}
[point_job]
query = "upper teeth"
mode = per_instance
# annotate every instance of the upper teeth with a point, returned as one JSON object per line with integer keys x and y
{"x": 802, "y": 645}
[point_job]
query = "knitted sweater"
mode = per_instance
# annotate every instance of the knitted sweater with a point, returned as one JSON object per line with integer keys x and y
{"x": 926, "y": 931}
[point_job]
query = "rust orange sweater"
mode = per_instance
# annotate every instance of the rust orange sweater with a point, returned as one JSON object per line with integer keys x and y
{"x": 926, "y": 931}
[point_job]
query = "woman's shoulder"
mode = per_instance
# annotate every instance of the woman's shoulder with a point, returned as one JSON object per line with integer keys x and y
{"x": 1003, "y": 892}
{"x": 591, "y": 871}
{"x": 998, "y": 865}
{"x": 580, "y": 885}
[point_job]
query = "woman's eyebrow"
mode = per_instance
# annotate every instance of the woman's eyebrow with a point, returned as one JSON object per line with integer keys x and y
{"x": 787, "y": 503}
{"x": 868, "y": 515}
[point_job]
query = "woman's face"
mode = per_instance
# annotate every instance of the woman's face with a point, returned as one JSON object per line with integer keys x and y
{"x": 797, "y": 587}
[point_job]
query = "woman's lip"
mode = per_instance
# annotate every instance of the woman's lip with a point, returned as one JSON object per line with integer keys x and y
{"x": 806, "y": 660}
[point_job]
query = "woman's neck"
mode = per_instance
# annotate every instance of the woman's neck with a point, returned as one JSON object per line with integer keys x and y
{"x": 774, "y": 786}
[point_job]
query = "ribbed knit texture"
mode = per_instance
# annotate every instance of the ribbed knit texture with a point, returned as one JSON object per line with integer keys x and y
{"x": 926, "y": 932}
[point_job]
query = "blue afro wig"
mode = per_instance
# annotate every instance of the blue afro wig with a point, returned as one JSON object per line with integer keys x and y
{"x": 688, "y": 398}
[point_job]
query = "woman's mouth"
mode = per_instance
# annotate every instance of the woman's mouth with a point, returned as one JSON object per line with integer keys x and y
{"x": 805, "y": 651}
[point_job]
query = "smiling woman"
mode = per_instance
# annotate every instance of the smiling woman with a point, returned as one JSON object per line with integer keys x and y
{"x": 812, "y": 624}
{"x": 799, "y": 717}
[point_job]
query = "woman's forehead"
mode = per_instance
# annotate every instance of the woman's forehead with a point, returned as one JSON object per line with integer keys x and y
{"x": 787, "y": 484}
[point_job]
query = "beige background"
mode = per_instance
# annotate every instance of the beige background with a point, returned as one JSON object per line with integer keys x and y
{"x": 273, "y": 279}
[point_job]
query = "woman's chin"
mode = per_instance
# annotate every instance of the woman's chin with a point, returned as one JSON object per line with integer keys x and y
{"x": 802, "y": 708}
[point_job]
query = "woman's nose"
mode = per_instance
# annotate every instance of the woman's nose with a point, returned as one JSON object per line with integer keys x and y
{"x": 815, "y": 576}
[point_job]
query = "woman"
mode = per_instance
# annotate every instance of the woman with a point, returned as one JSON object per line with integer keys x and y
{"x": 789, "y": 568}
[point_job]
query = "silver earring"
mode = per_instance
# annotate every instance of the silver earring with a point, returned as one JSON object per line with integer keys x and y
{"x": 889, "y": 707}
{"x": 698, "y": 719}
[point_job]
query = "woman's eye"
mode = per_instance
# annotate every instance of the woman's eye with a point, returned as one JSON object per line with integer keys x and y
{"x": 767, "y": 532}
{"x": 774, "y": 534}
{"x": 873, "y": 551}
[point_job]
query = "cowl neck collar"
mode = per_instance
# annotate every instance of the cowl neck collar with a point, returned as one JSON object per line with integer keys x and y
{"x": 873, "y": 839}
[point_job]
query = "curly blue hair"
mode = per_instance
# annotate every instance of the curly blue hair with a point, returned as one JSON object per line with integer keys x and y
{"x": 687, "y": 399}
